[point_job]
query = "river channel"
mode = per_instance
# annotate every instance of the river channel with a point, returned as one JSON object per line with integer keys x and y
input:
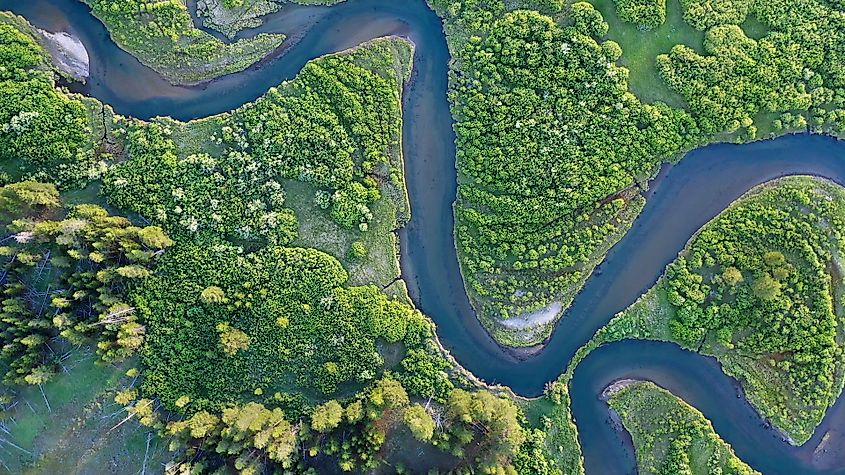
{"x": 680, "y": 200}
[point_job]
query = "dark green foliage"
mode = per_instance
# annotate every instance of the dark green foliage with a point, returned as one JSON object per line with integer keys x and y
{"x": 424, "y": 374}
{"x": 306, "y": 332}
{"x": 647, "y": 14}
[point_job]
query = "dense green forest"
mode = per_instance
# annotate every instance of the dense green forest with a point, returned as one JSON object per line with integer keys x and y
{"x": 44, "y": 133}
{"x": 552, "y": 144}
{"x": 670, "y": 436}
{"x": 245, "y": 352}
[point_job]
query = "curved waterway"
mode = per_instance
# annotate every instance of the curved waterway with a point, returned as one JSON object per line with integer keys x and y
{"x": 680, "y": 200}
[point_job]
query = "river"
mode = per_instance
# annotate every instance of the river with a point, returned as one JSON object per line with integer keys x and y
{"x": 682, "y": 199}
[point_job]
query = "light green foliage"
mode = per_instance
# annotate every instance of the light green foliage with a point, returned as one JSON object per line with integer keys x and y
{"x": 41, "y": 128}
{"x": 161, "y": 34}
{"x": 702, "y": 14}
{"x": 306, "y": 332}
{"x": 670, "y": 436}
{"x": 66, "y": 272}
{"x": 503, "y": 435}
{"x": 232, "y": 340}
{"x": 646, "y": 14}
{"x": 420, "y": 422}
{"x": 795, "y": 67}
{"x": 551, "y": 143}
{"x": 334, "y": 126}
{"x": 231, "y": 337}
{"x": 247, "y": 434}
{"x": 736, "y": 79}
{"x": 530, "y": 230}
{"x": 213, "y": 294}
{"x": 588, "y": 20}
{"x": 781, "y": 316}
{"x": 326, "y": 416}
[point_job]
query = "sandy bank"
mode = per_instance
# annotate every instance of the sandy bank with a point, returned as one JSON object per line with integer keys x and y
{"x": 69, "y": 54}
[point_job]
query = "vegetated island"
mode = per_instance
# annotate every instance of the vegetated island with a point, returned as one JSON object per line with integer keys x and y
{"x": 161, "y": 34}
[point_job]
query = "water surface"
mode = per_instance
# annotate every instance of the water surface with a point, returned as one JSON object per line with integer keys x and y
{"x": 680, "y": 201}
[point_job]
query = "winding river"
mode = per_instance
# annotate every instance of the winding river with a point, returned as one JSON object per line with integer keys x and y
{"x": 680, "y": 200}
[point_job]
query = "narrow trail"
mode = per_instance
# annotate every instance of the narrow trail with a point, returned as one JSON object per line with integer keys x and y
{"x": 682, "y": 199}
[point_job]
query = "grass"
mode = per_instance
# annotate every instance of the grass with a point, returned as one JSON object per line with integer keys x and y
{"x": 641, "y": 48}
{"x": 670, "y": 435}
{"x": 69, "y": 428}
{"x": 317, "y": 230}
{"x": 553, "y": 415}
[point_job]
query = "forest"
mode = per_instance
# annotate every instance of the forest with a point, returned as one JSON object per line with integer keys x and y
{"x": 253, "y": 349}
{"x": 546, "y": 86}
{"x": 185, "y": 262}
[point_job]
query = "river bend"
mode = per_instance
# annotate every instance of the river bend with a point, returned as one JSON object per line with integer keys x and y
{"x": 682, "y": 199}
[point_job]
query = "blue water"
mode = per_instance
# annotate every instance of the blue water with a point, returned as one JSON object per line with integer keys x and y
{"x": 680, "y": 201}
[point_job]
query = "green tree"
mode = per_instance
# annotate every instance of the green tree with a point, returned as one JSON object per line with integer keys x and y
{"x": 420, "y": 422}
{"x": 326, "y": 417}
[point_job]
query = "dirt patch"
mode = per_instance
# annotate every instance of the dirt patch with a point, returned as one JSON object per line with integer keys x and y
{"x": 616, "y": 386}
{"x": 541, "y": 317}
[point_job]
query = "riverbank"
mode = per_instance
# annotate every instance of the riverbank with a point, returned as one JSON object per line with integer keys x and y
{"x": 168, "y": 43}
{"x": 69, "y": 54}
